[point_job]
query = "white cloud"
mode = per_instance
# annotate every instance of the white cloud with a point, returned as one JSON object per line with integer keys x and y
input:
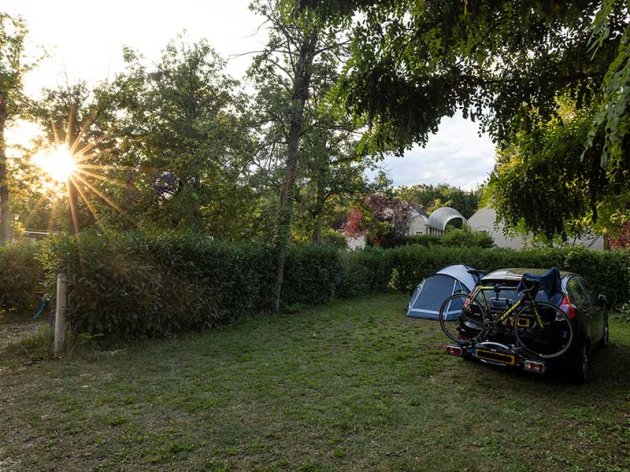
{"x": 455, "y": 155}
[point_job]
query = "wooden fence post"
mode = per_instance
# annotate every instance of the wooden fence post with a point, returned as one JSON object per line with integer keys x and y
{"x": 60, "y": 313}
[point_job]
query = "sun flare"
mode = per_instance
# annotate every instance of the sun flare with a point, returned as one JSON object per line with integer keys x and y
{"x": 57, "y": 161}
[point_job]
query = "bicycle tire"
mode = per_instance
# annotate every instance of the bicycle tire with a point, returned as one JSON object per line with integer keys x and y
{"x": 552, "y": 339}
{"x": 462, "y": 319}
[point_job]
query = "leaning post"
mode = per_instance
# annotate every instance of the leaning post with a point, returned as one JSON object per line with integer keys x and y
{"x": 60, "y": 313}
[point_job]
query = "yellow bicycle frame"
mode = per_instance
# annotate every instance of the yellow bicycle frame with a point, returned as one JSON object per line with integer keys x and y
{"x": 511, "y": 310}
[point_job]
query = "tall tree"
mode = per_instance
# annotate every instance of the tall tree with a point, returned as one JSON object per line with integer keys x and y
{"x": 184, "y": 140}
{"x": 12, "y": 69}
{"x": 285, "y": 73}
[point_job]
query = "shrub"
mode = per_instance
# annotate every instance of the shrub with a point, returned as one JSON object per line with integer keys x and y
{"x": 312, "y": 275}
{"x": 464, "y": 237}
{"x": 134, "y": 285}
{"x": 138, "y": 286}
{"x": 423, "y": 240}
{"x": 609, "y": 272}
{"x": 334, "y": 238}
{"x": 20, "y": 278}
{"x": 458, "y": 237}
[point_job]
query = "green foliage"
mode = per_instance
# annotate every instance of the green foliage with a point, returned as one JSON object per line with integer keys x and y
{"x": 623, "y": 314}
{"x": 415, "y": 62}
{"x": 334, "y": 238}
{"x": 432, "y": 197}
{"x": 426, "y": 240}
{"x": 312, "y": 276}
{"x": 544, "y": 183}
{"x": 464, "y": 237}
{"x": 186, "y": 122}
{"x": 12, "y": 69}
{"x": 608, "y": 272}
{"x": 135, "y": 285}
{"x": 14, "y": 64}
{"x": 612, "y": 117}
{"x": 456, "y": 237}
{"x": 377, "y": 264}
{"x": 20, "y": 278}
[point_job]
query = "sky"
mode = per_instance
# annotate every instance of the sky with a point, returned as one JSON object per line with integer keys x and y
{"x": 84, "y": 41}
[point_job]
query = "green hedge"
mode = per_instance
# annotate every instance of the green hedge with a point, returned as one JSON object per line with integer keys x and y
{"x": 135, "y": 286}
{"x": 608, "y": 271}
{"x": 458, "y": 237}
{"x": 20, "y": 279}
{"x": 138, "y": 286}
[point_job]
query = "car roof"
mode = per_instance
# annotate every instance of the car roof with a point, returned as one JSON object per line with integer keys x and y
{"x": 515, "y": 274}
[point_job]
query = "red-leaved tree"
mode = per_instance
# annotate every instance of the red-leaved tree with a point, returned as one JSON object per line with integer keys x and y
{"x": 622, "y": 240}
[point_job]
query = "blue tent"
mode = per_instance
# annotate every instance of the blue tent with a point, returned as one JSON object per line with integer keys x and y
{"x": 429, "y": 295}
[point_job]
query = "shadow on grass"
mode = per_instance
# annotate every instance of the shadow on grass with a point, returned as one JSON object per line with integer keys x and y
{"x": 609, "y": 370}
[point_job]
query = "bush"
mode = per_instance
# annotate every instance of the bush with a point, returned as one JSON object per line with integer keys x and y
{"x": 312, "y": 275}
{"x": 20, "y": 279}
{"x": 458, "y": 237}
{"x": 138, "y": 286}
{"x": 464, "y": 237}
{"x": 425, "y": 240}
{"x": 334, "y": 238}
{"x": 609, "y": 272}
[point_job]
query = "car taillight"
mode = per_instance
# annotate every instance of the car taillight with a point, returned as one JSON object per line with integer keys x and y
{"x": 567, "y": 307}
{"x": 454, "y": 351}
{"x": 534, "y": 366}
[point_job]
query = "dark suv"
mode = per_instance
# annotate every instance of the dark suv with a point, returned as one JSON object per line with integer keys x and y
{"x": 587, "y": 311}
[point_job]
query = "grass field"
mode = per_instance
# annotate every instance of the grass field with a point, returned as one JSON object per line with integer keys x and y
{"x": 351, "y": 386}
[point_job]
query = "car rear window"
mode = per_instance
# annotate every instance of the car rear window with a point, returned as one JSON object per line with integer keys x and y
{"x": 508, "y": 290}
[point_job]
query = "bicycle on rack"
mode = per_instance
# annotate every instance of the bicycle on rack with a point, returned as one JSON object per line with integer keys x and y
{"x": 539, "y": 328}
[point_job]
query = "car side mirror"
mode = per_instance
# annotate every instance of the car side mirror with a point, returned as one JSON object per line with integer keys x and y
{"x": 602, "y": 300}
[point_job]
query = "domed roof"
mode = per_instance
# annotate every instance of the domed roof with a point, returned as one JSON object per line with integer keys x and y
{"x": 440, "y": 217}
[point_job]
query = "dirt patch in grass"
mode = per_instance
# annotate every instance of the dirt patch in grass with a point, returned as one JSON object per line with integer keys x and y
{"x": 351, "y": 386}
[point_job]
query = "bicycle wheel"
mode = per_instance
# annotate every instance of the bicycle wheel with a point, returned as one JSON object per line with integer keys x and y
{"x": 552, "y": 339}
{"x": 462, "y": 318}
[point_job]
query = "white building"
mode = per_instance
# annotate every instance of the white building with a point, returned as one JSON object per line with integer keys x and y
{"x": 417, "y": 222}
{"x": 486, "y": 220}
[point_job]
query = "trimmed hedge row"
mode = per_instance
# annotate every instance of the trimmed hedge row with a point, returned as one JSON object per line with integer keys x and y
{"x": 608, "y": 271}
{"x": 20, "y": 279}
{"x": 134, "y": 285}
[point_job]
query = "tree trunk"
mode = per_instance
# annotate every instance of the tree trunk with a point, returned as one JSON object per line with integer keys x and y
{"x": 317, "y": 212}
{"x": 5, "y": 228}
{"x": 196, "y": 204}
{"x": 73, "y": 194}
{"x": 317, "y": 229}
{"x": 300, "y": 93}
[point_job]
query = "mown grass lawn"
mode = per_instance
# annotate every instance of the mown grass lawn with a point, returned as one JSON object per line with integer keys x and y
{"x": 351, "y": 386}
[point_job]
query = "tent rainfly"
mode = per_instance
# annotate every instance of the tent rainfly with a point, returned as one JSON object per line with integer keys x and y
{"x": 429, "y": 295}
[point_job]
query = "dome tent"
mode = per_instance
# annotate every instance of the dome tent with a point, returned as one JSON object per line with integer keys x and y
{"x": 429, "y": 295}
